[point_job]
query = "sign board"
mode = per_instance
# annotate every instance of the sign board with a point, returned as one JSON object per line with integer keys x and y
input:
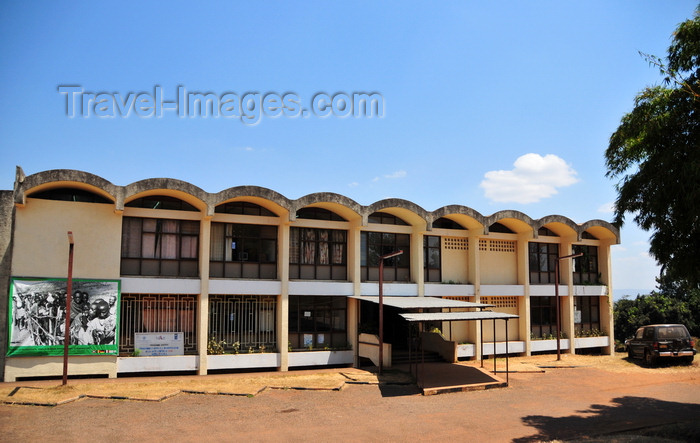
{"x": 159, "y": 344}
{"x": 577, "y": 316}
{"x": 37, "y": 317}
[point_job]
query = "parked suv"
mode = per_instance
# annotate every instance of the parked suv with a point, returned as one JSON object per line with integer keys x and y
{"x": 657, "y": 341}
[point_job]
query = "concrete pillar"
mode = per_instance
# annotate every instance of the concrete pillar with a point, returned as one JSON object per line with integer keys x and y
{"x": 522, "y": 249}
{"x": 606, "y": 302}
{"x": 417, "y": 259}
{"x": 283, "y": 299}
{"x": 203, "y": 302}
{"x": 473, "y": 262}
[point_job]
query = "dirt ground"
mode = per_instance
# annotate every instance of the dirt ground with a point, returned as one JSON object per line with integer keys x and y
{"x": 580, "y": 397}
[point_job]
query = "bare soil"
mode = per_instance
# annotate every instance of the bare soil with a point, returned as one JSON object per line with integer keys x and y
{"x": 580, "y": 397}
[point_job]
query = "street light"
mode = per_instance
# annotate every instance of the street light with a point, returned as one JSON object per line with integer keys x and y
{"x": 556, "y": 296}
{"x": 381, "y": 305}
{"x": 69, "y": 289}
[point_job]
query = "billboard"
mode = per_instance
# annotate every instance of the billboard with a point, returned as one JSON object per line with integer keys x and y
{"x": 37, "y": 317}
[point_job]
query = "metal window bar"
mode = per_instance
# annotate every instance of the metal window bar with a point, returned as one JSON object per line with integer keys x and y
{"x": 244, "y": 323}
{"x": 157, "y": 313}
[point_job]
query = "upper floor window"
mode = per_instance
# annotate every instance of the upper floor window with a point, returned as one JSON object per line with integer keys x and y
{"x": 588, "y": 236}
{"x": 243, "y": 208}
{"x": 161, "y": 202}
{"x": 243, "y": 251}
{"x": 431, "y": 258}
{"x": 546, "y": 232}
{"x": 499, "y": 227}
{"x": 586, "y": 266}
{"x": 376, "y": 244}
{"x": 318, "y": 214}
{"x": 318, "y": 254}
{"x": 446, "y": 223}
{"x": 542, "y": 259}
{"x": 160, "y": 247}
{"x": 71, "y": 195}
{"x": 385, "y": 219}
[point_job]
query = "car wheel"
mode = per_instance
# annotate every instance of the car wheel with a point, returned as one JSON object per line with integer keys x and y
{"x": 630, "y": 354}
{"x": 649, "y": 358}
{"x": 689, "y": 360}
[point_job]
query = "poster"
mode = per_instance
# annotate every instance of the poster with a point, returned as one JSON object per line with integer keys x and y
{"x": 37, "y": 317}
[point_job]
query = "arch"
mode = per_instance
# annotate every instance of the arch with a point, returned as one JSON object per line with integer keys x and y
{"x": 62, "y": 178}
{"x": 560, "y": 225}
{"x": 169, "y": 187}
{"x": 464, "y": 215}
{"x": 602, "y": 230}
{"x": 408, "y": 211}
{"x": 345, "y": 207}
{"x": 516, "y": 221}
{"x": 267, "y": 198}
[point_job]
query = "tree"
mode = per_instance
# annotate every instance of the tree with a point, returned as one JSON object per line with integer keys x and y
{"x": 655, "y": 153}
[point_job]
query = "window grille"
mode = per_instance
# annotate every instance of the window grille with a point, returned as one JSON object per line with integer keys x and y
{"x": 501, "y": 301}
{"x": 456, "y": 243}
{"x": 158, "y": 313}
{"x": 243, "y": 322}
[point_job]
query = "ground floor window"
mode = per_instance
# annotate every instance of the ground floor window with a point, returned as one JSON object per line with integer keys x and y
{"x": 543, "y": 317}
{"x": 157, "y": 313}
{"x": 586, "y": 315}
{"x": 243, "y": 323}
{"x": 317, "y": 322}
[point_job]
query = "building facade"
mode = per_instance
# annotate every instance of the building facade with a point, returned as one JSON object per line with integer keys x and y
{"x": 247, "y": 278}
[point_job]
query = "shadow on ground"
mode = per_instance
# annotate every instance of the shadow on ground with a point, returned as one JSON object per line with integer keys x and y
{"x": 625, "y": 414}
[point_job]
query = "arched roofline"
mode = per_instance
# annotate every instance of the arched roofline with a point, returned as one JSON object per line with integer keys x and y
{"x": 267, "y": 198}
{"x": 460, "y": 211}
{"x": 166, "y": 186}
{"x": 62, "y": 178}
{"x": 404, "y": 209}
{"x": 501, "y": 216}
{"x": 557, "y": 221}
{"x": 613, "y": 230}
{"x": 340, "y": 204}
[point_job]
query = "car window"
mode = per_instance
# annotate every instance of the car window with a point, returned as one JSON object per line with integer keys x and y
{"x": 675, "y": 332}
{"x": 648, "y": 333}
{"x": 640, "y": 332}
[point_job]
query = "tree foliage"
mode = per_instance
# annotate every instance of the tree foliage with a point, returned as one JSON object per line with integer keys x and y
{"x": 655, "y": 154}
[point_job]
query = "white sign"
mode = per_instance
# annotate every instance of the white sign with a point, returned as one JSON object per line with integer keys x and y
{"x": 159, "y": 344}
{"x": 577, "y": 316}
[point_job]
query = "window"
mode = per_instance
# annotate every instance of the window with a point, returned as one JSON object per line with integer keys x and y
{"x": 586, "y": 313}
{"x": 385, "y": 219}
{"x": 161, "y": 202}
{"x": 160, "y": 247}
{"x": 499, "y": 227}
{"x": 243, "y": 208}
{"x": 318, "y": 214}
{"x": 586, "y": 266}
{"x": 446, "y": 223}
{"x": 317, "y": 254}
{"x": 431, "y": 258}
{"x": 71, "y": 195}
{"x": 542, "y": 259}
{"x": 375, "y": 244}
{"x": 543, "y": 317}
{"x": 317, "y": 322}
{"x": 243, "y": 251}
{"x": 243, "y": 322}
{"x": 157, "y": 313}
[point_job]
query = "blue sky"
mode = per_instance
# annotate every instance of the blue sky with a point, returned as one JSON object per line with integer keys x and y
{"x": 498, "y": 105}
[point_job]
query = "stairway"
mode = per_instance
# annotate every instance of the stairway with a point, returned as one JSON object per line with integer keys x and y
{"x": 400, "y": 357}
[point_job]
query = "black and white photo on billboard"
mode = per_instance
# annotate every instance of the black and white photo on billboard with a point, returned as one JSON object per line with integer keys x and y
{"x": 39, "y": 312}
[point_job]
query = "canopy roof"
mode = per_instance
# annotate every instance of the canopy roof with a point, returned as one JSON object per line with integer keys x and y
{"x": 422, "y": 302}
{"x": 457, "y": 316}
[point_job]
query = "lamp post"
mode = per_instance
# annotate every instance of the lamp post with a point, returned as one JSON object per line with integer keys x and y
{"x": 69, "y": 290}
{"x": 381, "y": 305}
{"x": 556, "y": 296}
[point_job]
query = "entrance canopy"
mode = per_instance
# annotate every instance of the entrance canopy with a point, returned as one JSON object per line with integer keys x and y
{"x": 423, "y": 303}
{"x": 457, "y": 316}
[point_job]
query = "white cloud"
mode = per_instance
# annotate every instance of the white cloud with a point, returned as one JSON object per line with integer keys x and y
{"x": 607, "y": 208}
{"x": 533, "y": 178}
{"x": 353, "y": 184}
{"x": 396, "y": 174}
